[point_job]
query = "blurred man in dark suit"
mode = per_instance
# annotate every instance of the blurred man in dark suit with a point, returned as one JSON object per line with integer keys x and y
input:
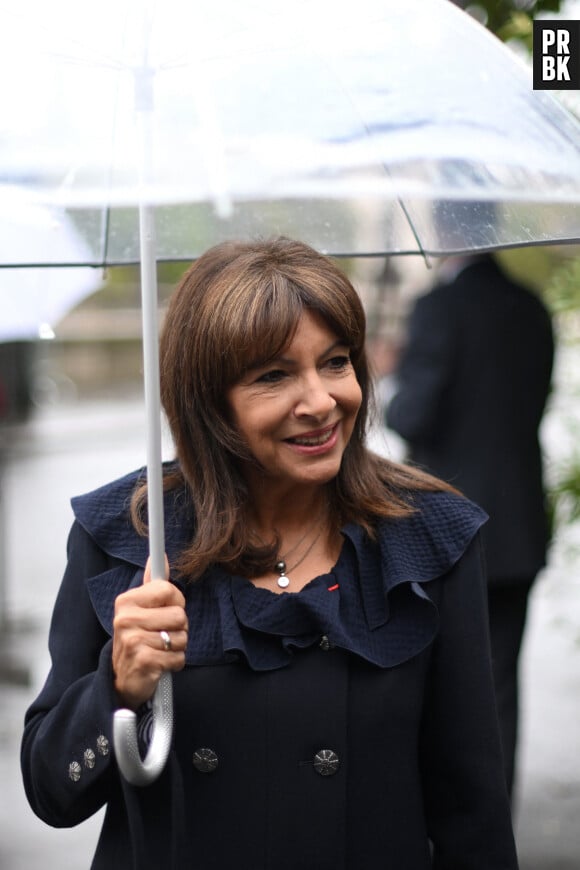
{"x": 473, "y": 382}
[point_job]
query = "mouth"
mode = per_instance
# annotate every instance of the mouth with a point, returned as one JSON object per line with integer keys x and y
{"x": 319, "y": 438}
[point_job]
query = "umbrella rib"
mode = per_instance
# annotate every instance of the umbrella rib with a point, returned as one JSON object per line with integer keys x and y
{"x": 105, "y": 236}
{"x": 409, "y": 220}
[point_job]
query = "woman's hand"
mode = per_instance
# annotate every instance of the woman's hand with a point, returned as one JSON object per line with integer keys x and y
{"x": 139, "y": 651}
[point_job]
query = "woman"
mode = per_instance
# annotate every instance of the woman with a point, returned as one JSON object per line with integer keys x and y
{"x": 326, "y": 621}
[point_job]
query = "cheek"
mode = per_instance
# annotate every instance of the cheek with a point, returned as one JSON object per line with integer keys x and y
{"x": 351, "y": 406}
{"x": 255, "y": 421}
{"x": 353, "y": 398}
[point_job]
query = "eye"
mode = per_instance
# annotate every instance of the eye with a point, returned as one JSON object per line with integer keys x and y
{"x": 339, "y": 363}
{"x": 274, "y": 376}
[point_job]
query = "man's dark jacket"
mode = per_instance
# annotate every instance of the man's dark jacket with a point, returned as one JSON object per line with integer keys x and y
{"x": 473, "y": 384}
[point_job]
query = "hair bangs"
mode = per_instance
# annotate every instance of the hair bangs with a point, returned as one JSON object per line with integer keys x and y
{"x": 269, "y": 317}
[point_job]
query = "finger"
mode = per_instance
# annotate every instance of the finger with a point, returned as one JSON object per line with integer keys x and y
{"x": 147, "y": 574}
{"x": 172, "y": 641}
{"x": 154, "y": 619}
{"x": 155, "y": 593}
{"x": 137, "y": 670}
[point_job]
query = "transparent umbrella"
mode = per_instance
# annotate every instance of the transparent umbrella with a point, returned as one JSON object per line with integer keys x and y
{"x": 283, "y": 117}
{"x": 33, "y": 300}
{"x": 372, "y": 127}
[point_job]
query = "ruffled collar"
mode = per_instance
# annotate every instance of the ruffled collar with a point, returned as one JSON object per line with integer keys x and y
{"x": 381, "y": 610}
{"x": 268, "y": 627}
{"x": 105, "y": 514}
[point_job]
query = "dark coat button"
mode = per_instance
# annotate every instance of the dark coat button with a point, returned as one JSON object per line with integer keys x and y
{"x": 205, "y": 760}
{"x": 326, "y": 762}
{"x": 325, "y": 644}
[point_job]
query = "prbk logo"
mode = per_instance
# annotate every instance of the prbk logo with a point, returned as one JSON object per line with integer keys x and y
{"x": 556, "y": 55}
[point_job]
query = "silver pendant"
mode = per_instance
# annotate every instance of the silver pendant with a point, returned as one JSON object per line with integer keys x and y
{"x": 283, "y": 581}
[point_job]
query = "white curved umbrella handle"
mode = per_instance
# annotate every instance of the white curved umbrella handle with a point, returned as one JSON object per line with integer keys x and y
{"x": 137, "y": 770}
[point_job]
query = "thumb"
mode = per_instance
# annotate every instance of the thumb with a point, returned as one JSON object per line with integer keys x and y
{"x": 147, "y": 575}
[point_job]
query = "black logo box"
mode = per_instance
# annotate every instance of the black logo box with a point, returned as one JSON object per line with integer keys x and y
{"x": 556, "y": 55}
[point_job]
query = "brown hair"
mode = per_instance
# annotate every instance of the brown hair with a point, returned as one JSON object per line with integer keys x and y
{"x": 237, "y": 307}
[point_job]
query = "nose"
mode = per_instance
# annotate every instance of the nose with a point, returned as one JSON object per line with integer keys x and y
{"x": 314, "y": 399}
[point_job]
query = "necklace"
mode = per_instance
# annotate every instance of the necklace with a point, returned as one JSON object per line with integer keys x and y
{"x": 280, "y": 567}
{"x": 296, "y": 545}
{"x": 283, "y": 580}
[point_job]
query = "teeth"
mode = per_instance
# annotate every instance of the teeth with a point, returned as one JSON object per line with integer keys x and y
{"x": 314, "y": 441}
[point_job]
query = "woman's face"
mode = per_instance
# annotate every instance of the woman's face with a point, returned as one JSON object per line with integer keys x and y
{"x": 297, "y": 412}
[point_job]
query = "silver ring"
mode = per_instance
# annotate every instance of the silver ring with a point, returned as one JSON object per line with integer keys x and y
{"x": 166, "y": 640}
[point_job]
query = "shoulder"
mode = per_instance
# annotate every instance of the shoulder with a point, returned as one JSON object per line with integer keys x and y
{"x": 435, "y": 309}
{"x": 111, "y": 498}
{"x": 442, "y": 508}
{"x": 431, "y": 540}
{"x": 105, "y": 514}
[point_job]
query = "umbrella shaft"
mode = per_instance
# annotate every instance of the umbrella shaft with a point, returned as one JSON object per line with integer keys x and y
{"x": 152, "y": 390}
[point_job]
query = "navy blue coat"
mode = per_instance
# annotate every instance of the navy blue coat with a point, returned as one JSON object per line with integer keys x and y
{"x": 384, "y": 662}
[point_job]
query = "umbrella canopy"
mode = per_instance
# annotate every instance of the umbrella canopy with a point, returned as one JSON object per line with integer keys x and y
{"x": 375, "y": 127}
{"x": 33, "y": 300}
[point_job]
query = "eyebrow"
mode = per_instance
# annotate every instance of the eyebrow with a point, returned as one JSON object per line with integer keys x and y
{"x": 288, "y": 361}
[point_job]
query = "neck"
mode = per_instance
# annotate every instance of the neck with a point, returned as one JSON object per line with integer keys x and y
{"x": 292, "y": 509}
{"x": 306, "y": 543}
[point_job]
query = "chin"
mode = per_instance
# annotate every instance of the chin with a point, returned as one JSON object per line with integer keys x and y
{"x": 320, "y": 477}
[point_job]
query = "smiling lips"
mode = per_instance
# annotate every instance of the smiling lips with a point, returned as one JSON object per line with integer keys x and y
{"x": 314, "y": 441}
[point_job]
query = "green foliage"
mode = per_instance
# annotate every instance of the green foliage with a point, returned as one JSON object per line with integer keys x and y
{"x": 510, "y": 19}
{"x": 564, "y": 494}
{"x": 563, "y": 291}
{"x": 563, "y": 297}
